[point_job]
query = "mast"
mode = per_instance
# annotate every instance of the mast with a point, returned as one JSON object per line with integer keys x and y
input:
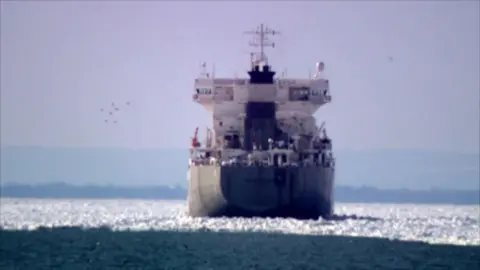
{"x": 261, "y": 40}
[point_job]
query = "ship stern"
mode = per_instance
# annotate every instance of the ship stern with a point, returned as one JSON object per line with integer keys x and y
{"x": 261, "y": 191}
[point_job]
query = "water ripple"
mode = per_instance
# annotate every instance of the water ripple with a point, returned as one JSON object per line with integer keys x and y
{"x": 430, "y": 223}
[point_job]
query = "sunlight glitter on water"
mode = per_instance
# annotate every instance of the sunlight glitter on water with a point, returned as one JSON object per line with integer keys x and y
{"x": 430, "y": 223}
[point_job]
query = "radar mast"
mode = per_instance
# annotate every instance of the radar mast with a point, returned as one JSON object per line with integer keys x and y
{"x": 261, "y": 40}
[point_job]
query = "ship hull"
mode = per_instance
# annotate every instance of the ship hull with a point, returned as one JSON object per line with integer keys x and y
{"x": 251, "y": 191}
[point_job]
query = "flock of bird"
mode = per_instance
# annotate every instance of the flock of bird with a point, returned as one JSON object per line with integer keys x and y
{"x": 111, "y": 112}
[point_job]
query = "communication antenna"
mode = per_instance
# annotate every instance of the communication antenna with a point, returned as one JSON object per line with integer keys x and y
{"x": 261, "y": 40}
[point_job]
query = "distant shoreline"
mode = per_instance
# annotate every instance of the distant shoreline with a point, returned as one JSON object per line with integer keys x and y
{"x": 343, "y": 194}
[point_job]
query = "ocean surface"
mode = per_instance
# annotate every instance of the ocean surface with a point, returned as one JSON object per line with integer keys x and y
{"x": 140, "y": 234}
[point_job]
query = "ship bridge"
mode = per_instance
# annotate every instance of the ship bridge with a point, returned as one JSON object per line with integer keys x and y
{"x": 226, "y": 96}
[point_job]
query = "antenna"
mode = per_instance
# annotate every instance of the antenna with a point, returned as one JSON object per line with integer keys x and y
{"x": 261, "y": 40}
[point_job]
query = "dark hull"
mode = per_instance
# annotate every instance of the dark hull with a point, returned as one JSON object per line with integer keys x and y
{"x": 239, "y": 191}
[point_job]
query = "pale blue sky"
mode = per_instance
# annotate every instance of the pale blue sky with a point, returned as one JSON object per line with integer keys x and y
{"x": 62, "y": 62}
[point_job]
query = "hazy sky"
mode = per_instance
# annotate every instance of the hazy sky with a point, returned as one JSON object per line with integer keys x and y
{"x": 62, "y": 62}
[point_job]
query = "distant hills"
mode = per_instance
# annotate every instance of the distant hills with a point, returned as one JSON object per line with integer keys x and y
{"x": 382, "y": 169}
{"x": 342, "y": 193}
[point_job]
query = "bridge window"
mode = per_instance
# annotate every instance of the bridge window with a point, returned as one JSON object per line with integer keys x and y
{"x": 299, "y": 93}
{"x": 205, "y": 91}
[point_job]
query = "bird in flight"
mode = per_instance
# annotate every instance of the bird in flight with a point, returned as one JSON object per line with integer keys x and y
{"x": 112, "y": 111}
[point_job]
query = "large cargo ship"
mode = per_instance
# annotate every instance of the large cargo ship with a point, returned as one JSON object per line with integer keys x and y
{"x": 265, "y": 155}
